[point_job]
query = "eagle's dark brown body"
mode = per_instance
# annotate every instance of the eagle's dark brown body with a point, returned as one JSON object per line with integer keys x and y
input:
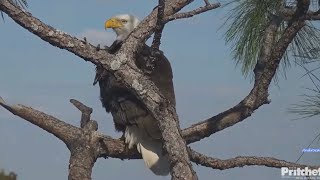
{"x": 125, "y": 108}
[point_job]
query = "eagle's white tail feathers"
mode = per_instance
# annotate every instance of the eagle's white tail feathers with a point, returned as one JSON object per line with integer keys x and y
{"x": 151, "y": 150}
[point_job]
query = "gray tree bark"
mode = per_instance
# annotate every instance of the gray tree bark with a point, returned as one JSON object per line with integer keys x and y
{"x": 86, "y": 144}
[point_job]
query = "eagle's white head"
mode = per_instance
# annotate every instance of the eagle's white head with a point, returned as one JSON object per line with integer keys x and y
{"x": 122, "y": 24}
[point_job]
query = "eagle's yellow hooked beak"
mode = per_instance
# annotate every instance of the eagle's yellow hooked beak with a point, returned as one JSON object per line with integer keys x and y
{"x": 113, "y": 23}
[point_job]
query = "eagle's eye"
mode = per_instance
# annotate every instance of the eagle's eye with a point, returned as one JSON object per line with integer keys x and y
{"x": 124, "y": 21}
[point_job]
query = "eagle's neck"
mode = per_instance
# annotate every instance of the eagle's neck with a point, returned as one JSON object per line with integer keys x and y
{"x": 122, "y": 34}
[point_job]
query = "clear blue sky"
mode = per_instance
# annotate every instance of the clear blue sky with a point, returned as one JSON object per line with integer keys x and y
{"x": 34, "y": 73}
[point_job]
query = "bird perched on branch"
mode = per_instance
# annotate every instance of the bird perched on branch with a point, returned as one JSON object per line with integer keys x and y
{"x": 130, "y": 116}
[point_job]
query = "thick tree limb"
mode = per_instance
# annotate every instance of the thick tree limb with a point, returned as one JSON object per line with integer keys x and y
{"x": 87, "y": 145}
{"x": 164, "y": 112}
{"x": 264, "y": 70}
{"x": 84, "y": 147}
{"x": 192, "y": 134}
{"x": 199, "y": 130}
{"x": 159, "y": 26}
{"x": 124, "y": 69}
{"x": 81, "y": 163}
{"x": 58, "y": 128}
{"x": 157, "y": 36}
{"x": 79, "y": 141}
{"x": 181, "y": 168}
{"x": 53, "y": 36}
{"x": 241, "y": 161}
{"x": 207, "y": 161}
{"x": 83, "y": 143}
{"x": 128, "y": 73}
{"x": 117, "y": 149}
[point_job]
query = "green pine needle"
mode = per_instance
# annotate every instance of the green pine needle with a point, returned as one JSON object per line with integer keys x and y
{"x": 246, "y": 23}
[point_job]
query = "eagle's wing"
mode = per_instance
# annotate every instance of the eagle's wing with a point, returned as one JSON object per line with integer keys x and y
{"x": 126, "y": 109}
{"x": 130, "y": 115}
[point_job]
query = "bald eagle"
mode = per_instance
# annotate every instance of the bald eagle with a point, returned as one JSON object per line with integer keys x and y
{"x": 130, "y": 116}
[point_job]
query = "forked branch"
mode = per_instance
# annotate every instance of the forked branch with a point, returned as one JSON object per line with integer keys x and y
{"x": 58, "y": 128}
{"x": 85, "y": 112}
{"x": 123, "y": 67}
{"x": 265, "y": 69}
{"x": 87, "y": 145}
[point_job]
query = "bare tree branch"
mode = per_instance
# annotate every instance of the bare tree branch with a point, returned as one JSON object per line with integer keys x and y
{"x": 124, "y": 69}
{"x": 206, "y": 161}
{"x": 264, "y": 70}
{"x": 192, "y": 134}
{"x": 241, "y": 161}
{"x": 85, "y": 112}
{"x": 207, "y": 2}
{"x": 159, "y": 26}
{"x": 157, "y": 36}
{"x": 169, "y": 127}
{"x": 53, "y": 36}
{"x": 116, "y": 148}
{"x": 119, "y": 151}
{"x": 60, "y": 129}
{"x": 189, "y": 14}
{"x": 83, "y": 143}
{"x": 88, "y": 52}
{"x": 87, "y": 145}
